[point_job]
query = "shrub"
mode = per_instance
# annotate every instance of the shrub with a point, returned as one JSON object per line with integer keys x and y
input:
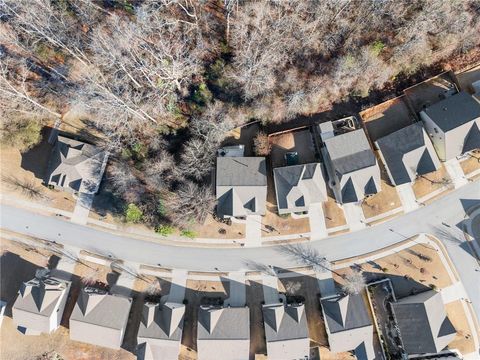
{"x": 377, "y": 47}
{"x": 22, "y": 135}
{"x": 133, "y": 214}
{"x": 188, "y": 233}
{"x": 261, "y": 144}
{"x": 164, "y": 230}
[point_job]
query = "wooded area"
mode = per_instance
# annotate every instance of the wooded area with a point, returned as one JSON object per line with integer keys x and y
{"x": 164, "y": 80}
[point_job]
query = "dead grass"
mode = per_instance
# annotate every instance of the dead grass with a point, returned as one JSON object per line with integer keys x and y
{"x": 274, "y": 224}
{"x": 91, "y": 273}
{"x": 468, "y": 77}
{"x": 21, "y": 172}
{"x": 471, "y": 164}
{"x": 385, "y": 200}
{"x": 18, "y": 346}
{"x": 415, "y": 268}
{"x": 431, "y": 182}
{"x": 243, "y": 135}
{"x": 334, "y": 215}
{"x": 385, "y": 118}
{"x": 463, "y": 341}
{"x": 212, "y": 228}
{"x": 152, "y": 285}
{"x": 299, "y": 141}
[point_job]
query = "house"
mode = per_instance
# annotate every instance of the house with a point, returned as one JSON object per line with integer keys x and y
{"x": 286, "y": 331}
{"x": 75, "y": 166}
{"x": 352, "y": 166}
{"x": 407, "y": 153}
{"x": 423, "y": 323}
{"x": 40, "y": 304}
{"x": 100, "y": 318}
{"x": 348, "y": 325}
{"x": 160, "y": 331}
{"x": 298, "y": 186}
{"x": 223, "y": 333}
{"x": 453, "y": 124}
{"x": 241, "y": 186}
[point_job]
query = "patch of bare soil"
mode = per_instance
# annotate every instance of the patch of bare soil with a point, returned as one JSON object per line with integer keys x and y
{"x": 428, "y": 183}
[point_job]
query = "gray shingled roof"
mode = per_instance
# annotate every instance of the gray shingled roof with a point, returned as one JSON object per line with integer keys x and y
{"x": 423, "y": 323}
{"x": 345, "y": 312}
{"x": 39, "y": 298}
{"x": 408, "y": 152}
{"x": 285, "y": 322}
{"x": 223, "y": 323}
{"x": 454, "y": 111}
{"x": 160, "y": 331}
{"x": 241, "y": 186}
{"x": 97, "y": 312}
{"x": 76, "y": 166}
{"x": 348, "y": 325}
{"x": 299, "y": 186}
{"x": 350, "y": 152}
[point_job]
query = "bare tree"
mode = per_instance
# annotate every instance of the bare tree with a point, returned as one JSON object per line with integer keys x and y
{"x": 354, "y": 282}
{"x": 261, "y": 144}
{"x": 191, "y": 202}
{"x": 306, "y": 255}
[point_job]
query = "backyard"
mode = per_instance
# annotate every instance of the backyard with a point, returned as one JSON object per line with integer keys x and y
{"x": 299, "y": 141}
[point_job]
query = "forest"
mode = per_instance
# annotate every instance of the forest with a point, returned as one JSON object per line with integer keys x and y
{"x": 163, "y": 81}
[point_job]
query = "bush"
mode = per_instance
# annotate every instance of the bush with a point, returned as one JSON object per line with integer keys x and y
{"x": 377, "y": 47}
{"x": 261, "y": 144}
{"x": 22, "y": 135}
{"x": 133, "y": 214}
{"x": 188, "y": 233}
{"x": 164, "y": 230}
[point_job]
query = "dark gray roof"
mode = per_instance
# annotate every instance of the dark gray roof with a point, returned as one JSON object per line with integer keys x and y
{"x": 350, "y": 152}
{"x": 223, "y": 323}
{"x": 454, "y": 111}
{"x": 99, "y": 308}
{"x": 298, "y": 186}
{"x": 285, "y": 322}
{"x": 76, "y": 166}
{"x": 424, "y": 326}
{"x": 345, "y": 312}
{"x": 408, "y": 152}
{"x": 162, "y": 321}
{"x": 41, "y": 295}
{"x": 241, "y": 171}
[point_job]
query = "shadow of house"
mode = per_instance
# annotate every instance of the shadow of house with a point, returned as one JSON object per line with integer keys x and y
{"x": 36, "y": 159}
{"x": 14, "y": 271}
{"x": 403, "y": 285}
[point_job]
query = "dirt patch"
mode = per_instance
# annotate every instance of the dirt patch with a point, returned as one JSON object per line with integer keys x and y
{"x": 428, "y": 183}
{"x": 463, "y": 341}
{"x": 468, "y": 77}
{"x": 152, "y": 285}
{"x": 18, "y": 346}
{"x": 274, "y": 224}
{"x": 23, "y": 175}
{"x": 431, "y": 91}
{"x": 387, "y": 117}
{"x": 91, "y": 273}
{"x": 385, "y": 200}
{"x": 334, "y": 215}
{"x": 212, "y": 228}
{"x": 299, "y": 141}
{"x": 243, "y": 135}
{"x": 471, "y": 164}
{"x": 416, "y": 269}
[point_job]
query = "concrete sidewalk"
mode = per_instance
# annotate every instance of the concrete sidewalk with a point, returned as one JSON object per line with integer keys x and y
{"x": 407, "y": 197}
{"x": 238, "y": 293}
{"x": 270, "y": 289}
{"x": 177, "y": 287}
{"x": 455, "y": 172}
{"x": 316, "y": 218}
{"x": 253, "y": 231}
{"x": 82, "y": 208}
{"x": 354, "y": 216}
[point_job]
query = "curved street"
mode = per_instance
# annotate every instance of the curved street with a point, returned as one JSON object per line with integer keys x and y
{"x": 440, "y": 218}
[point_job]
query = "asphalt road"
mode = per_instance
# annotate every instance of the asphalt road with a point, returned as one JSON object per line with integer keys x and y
{"x": 443, "y": 213}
